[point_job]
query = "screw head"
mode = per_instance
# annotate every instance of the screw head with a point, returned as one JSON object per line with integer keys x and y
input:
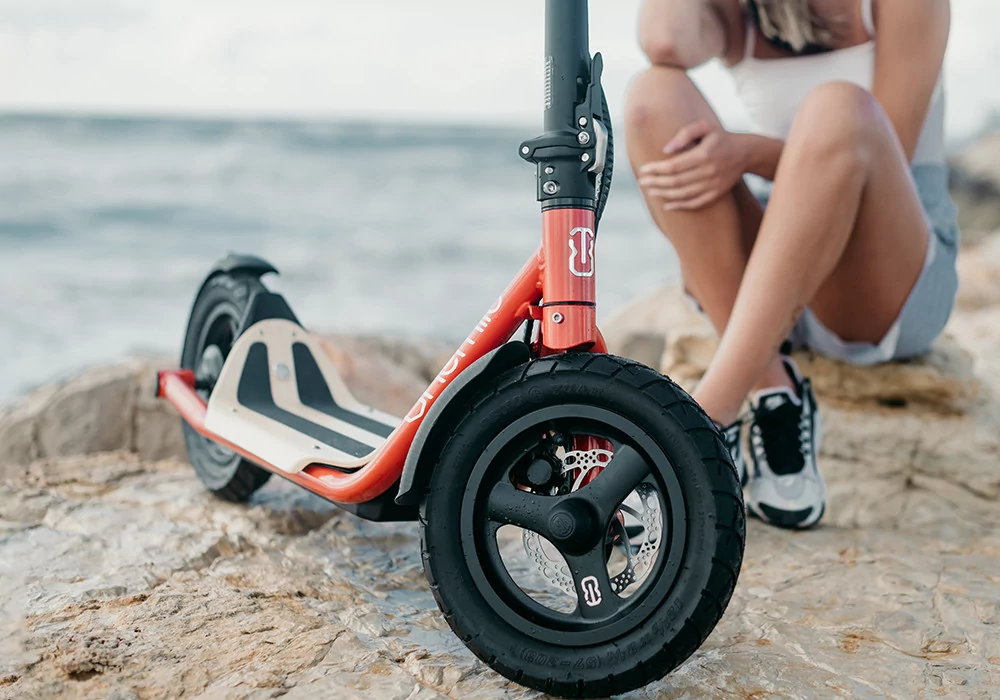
{"x": 550, "y": 187}
{"x": 557, "y": 317}
{"x": 583, "y": 138}
{"x": 549, "y": 170}
{"x": 583, "y": 121}
{"x": 525, "y": 150}
{"x": 585, "y": 157}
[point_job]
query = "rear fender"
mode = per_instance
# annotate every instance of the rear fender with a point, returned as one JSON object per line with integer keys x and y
{"x": 263, "y": 305}
{"x": 235, "y": 262}
{"x": 446, "y": 412}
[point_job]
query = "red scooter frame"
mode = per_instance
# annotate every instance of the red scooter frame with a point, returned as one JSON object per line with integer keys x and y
{"x": 561, "y": 272}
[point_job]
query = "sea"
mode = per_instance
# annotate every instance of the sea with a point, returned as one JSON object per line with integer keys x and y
{"x": 108, "y": 225}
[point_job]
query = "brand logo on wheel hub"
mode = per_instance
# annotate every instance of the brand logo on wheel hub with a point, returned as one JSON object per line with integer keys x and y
{"x": 562, "y": 525}
{"x": 591, "y": 591}
{"x": 581, "y": 257}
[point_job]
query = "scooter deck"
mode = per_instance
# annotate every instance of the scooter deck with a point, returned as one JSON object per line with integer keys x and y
{"x": 280, "y": 397}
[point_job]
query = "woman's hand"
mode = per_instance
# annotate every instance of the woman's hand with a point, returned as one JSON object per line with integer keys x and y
{"x": 703, "y": 162}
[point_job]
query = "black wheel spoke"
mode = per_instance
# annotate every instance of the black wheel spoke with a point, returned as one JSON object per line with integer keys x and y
{"x": 511, "y": 506}
{"x": 626, "y": 470}
{"x": 595, "y": 597}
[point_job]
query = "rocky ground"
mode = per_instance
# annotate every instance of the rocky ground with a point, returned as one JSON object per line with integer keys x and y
{"x": 121, "y": 578}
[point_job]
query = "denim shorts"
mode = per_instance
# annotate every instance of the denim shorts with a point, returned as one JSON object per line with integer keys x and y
{"x": 931, "y": 300}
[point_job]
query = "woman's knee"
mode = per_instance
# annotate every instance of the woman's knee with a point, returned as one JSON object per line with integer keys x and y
{"x": 837, "y": 120}
{"x": 660, "y": 101}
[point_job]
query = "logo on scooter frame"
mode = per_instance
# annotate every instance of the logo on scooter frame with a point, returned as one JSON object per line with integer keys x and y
{"x": 581, "y": 258}
{"x": 591, "y": 591}
{"x": 419, "y": 409}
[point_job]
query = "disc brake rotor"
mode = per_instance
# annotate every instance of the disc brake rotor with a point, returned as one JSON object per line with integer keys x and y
{"x": 640, "y": 548}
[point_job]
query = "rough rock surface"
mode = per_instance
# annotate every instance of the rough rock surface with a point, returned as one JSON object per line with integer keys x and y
{"x": 979, "y": 270}
{"x": 123, "y": 578}
{"x": 105, "y": 408}
{"x": 120, "y": 577}
{"x": 975, "y": 188}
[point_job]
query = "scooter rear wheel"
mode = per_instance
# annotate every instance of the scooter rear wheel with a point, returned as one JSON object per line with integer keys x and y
{"x": 212, "y": 329}
{"x": 630, "y": 518}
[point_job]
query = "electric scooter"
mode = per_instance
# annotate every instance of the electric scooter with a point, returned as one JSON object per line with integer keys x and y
{"x": 606, "y": 475}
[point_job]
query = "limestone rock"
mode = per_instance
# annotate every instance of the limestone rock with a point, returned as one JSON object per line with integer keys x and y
{"x": 641, "y": 346}
{"x": 160, "y": 590}
{"x": 91, "y": 413}
{"x": 942, "y": 381}
{"x": 659, "y": 312}
{"x": 978, "y": 333}
{"x": 665, "y": 331}
{"x": 424, "y": 358}
{"x": 374, "y": 379}
{"x": 121, "y": 577}
{"x": 18, "y": 432}
{"x": 975, "y": 188}
{"x": 979, "y": 275}
{"x": 158, "y": 432}
{"x": 981, "y": 159}
{"x": 157, "y": 426}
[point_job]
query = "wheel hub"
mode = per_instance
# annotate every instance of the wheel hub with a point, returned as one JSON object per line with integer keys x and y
{"x": 572, "y": 527}
{"x": 210, "y": 367}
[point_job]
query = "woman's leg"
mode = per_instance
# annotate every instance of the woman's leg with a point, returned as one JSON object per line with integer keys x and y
{"x": 713, "y": 243}
{"x": 844, "y": 233}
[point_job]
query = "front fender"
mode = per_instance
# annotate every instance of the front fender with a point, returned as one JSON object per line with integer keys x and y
{"x": 445, "y": 413}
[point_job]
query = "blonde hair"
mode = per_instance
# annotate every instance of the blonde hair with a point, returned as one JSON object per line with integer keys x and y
{"x": 792, "y": 22}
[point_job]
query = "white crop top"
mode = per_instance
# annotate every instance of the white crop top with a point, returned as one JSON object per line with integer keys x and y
{"x": 772, "y": 89}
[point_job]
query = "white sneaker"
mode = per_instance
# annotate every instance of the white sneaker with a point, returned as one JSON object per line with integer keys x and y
{"x": 786, "y": 488}
{"x": 732, "y": 437}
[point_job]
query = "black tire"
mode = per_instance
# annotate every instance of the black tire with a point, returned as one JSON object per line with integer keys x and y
{"x": 669, "y": 627}
{"x": 215, "y": 322}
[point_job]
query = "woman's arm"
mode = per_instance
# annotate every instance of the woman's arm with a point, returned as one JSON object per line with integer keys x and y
{"x": 687, "y": 33}
{"x": 909, "y": 52}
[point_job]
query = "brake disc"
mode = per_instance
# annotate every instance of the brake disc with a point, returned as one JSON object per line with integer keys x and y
{"x": 640, "y": 549}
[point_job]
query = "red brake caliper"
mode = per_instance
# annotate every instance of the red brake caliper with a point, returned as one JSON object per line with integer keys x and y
{"x": 586, "y": 442}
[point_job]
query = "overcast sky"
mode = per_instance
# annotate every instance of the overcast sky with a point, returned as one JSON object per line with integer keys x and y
{"x": 450, "y": 60}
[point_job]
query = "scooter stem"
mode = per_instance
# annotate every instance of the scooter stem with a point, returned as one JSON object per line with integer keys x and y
{"x": 567, "y": 59}
{"x": 572, "y": 152}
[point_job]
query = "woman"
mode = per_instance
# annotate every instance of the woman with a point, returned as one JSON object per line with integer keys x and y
{"x": 854, "y": 255}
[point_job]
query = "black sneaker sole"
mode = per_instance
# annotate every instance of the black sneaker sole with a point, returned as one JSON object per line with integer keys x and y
{"x": 786, "y": 519}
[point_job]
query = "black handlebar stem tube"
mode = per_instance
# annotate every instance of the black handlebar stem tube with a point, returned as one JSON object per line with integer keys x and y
{"x": 567, "y": 153}
{"x": 567, "y": 61}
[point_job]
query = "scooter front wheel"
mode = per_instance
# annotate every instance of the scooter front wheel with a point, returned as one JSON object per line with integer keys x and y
{"x": 584, "y": 527}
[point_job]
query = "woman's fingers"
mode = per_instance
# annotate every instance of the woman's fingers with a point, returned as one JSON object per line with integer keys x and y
{"x": 680, "y": 163}
{"x": 687, "y": 136}
{"x": 698, "y": 202}
{"x": 679, "y": 194}
{"x": 669, "y": 182}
